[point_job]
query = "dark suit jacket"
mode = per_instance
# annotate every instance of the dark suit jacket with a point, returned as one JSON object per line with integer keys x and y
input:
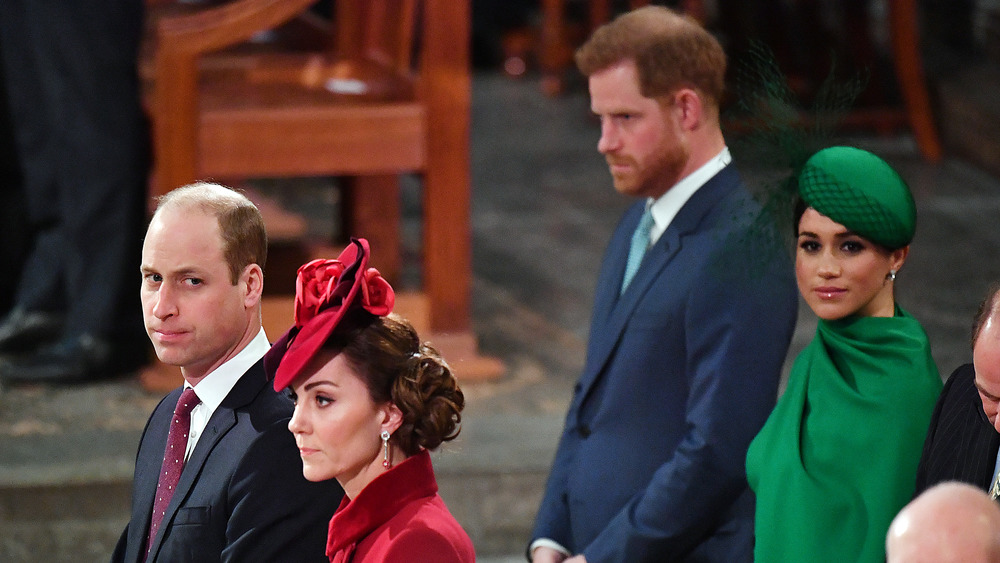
{"x": 681, "y": 372}
{"x": 241, "y": 496}
{"x": 961, "y": 444}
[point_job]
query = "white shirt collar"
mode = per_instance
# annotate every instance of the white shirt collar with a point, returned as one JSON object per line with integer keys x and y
{"x": 666, "y": 207}
{"x": 214, "y": 387}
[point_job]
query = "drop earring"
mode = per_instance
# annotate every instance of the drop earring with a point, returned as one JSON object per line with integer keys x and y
{"x": 385, "y": 450}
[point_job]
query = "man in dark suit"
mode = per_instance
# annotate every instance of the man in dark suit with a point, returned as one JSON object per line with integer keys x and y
{"x": 963, "y": 440}
{"x": 82, "y": 154}
{"x": 240, "y": 495}
{"x": 687, "y": 342}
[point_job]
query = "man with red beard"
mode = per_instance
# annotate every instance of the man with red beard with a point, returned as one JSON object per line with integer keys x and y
{"x": 694, "y": 310}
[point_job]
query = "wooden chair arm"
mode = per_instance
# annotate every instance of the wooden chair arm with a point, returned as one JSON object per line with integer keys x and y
{"x": 225, "y": 25}
{"x": 180, "y": 40}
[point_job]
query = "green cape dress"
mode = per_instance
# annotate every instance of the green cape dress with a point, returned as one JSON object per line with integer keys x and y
{"x": 837, "y": 458}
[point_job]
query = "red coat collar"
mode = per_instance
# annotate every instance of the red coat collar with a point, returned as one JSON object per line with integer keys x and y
{"x": 379, "y": 501}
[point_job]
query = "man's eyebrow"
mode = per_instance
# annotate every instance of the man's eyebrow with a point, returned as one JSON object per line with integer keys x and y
{"x": 187, "y": 271}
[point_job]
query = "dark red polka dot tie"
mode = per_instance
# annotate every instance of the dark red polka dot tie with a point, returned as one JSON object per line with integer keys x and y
{"x": 173, "y": 460}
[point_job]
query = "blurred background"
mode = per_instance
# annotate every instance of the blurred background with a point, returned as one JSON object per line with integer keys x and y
{"x": 461, "y": 144}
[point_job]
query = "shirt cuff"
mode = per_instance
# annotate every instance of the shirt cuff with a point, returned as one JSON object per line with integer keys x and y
{"x": 546, "y": 542}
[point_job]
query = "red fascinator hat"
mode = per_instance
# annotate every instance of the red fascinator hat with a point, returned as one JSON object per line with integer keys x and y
{"x": 325, "y": 292}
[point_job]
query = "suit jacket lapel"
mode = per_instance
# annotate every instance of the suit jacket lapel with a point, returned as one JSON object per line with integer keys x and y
{"x": 612, "y": 311}
{"x": 609, "y": 279}
{"x": 223, "y": 419}
{"x": 148, "y": 465}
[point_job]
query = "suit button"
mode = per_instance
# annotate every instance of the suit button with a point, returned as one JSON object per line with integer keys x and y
{"x": 584, "y": 431}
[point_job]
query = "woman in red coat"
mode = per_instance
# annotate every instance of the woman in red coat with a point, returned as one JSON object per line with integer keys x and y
{"x": 370, "y": 402}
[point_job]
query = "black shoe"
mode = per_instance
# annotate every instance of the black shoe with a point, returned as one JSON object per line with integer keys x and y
{"x": 23, "y": 331}
{"x": 85, "y": 358}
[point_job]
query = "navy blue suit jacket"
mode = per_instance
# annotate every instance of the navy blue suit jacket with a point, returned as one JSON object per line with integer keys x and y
{"x": 681, "y": 372}
{"x": 242, "y": 496}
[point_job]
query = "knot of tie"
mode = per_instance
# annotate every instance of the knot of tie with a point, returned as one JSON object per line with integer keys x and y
{"x": 186, "y": 403}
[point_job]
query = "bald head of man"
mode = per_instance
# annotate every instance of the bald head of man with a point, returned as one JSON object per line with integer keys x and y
{"x": 948, "y": 523}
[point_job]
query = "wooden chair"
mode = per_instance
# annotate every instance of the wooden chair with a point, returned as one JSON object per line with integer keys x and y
{"x": 265, "y": 88}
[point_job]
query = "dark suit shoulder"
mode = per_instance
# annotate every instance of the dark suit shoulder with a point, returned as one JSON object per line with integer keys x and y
{"x": 717, "y": 199}
{"x": 962, "y": 379}
{"x": 961, "y": 444}
{"x": 276, "y": 514}
{"x": 254, "y": 395}
{"x": 958, "y": 403}
{"x": 272, "y": 405}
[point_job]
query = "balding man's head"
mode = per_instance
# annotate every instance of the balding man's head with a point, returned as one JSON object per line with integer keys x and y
{"x": 986, "y": 355}
{"x": 948, "y": 523}
{"x": 241, "y": 226}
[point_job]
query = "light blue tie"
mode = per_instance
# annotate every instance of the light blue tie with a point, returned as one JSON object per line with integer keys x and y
{"x": 640, "y": 242}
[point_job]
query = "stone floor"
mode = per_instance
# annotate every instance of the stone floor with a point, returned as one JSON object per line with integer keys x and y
{"x": 542, "y": 212}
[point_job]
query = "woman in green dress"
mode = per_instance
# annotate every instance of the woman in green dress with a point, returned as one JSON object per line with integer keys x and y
{"x": 837, "y": 458}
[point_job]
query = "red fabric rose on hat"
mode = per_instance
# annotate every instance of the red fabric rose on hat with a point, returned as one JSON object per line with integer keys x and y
{"x": 313, "y": 287}
{"x": 377, "y": 296}
{"x": 325, "y": 291}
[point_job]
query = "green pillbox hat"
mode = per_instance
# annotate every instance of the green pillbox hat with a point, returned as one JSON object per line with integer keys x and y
{"x": 861, "y": 192}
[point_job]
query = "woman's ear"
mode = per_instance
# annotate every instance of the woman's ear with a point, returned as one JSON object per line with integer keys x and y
{"x": 898, "y": 257}
{"x": 392, "y": 417}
